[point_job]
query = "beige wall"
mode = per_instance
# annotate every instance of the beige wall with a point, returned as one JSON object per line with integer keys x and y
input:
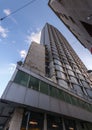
{"x": 35, "y": 59}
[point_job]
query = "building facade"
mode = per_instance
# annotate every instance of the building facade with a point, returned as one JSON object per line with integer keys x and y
{"x": 77, "y": 16}
{"x": 51, "y": 90}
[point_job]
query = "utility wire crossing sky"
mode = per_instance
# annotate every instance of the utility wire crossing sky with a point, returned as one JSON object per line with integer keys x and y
{"x": 17, "y": 10}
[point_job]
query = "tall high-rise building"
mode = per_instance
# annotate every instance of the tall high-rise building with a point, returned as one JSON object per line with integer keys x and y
{"x": 77, "y": 16}
{"x": 51, "y": 90}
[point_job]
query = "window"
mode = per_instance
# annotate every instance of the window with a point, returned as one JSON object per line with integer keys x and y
{"x": 58, "y": 68}
{"x": 73, "y": 79}
{"x": 80, "y": 76}
{"x": 89, "y": 91}
{"x": 55, "y": 53}
{"x": 70, "y": 124}
{"x": 88, "y": 27}
{"x": 32, "y": 121}
{"x": 78, "y": 89}
{"x": 68, "y": 66}
{"x": 53, "y": 91}
{"x": 21, "y": 78}
{"x": 60, "y": 75}
{"x": 85, "y": 84}
{"x": 74, "y": 100}
{"x": 55, "y": 57}
{"x": 70, "y": 72}
{"x": 34, "y": 83}
{"x": 65, "y": 16}
{"x": 57, "y": 62}
{"x": 54, "y": 123}
{"x": 63, "y": 83}
{"x": 61, "y": 95}
{"x": 43, "y": 87}
{"x": 67, "y": 98}
{"x": 72, "y": 19}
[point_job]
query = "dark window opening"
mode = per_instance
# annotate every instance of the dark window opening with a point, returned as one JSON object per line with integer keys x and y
{"x": 72, "y": 19}
{"x": 32, "y": 121}
{"x": 70, "y": 124}
{"x": 47, "y": 70}
{"x": 88, "y": 27}
{"x": 54, "y": 123}
{"x": 65, "y": 16}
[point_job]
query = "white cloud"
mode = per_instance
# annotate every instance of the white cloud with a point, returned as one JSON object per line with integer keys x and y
{"x": 7, "y": 11}
{"x": 3, "y": 32}
{"x": 34, "y": 36}
{"x": 23, "y": 53}
{"x": 12, "y": 67}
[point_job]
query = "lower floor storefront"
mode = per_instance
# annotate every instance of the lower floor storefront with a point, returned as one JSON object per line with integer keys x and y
{"x": 24, "y": 119}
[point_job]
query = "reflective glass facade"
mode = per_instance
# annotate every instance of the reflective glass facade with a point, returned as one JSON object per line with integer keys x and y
{"x": 45, "y": 88}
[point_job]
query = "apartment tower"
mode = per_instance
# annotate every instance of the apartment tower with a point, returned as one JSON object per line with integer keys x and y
{"x": 77, "y": 17}
{"x": 51, "y": 90}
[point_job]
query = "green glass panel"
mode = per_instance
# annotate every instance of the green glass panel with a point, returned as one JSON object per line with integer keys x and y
{"x": 34, "y": 83}
{"x": 90, "y": 107}
{"x": 53, "y": 91}
{"x": 21, "y": 78}
{"x": 67, "y": 98}
{"x": 74, "y": 101}
{"x": 43, "y": 87}
{"x": 80, "y": 103}
{"x": 61, "y": 95}
{"x": 87, "y": 107}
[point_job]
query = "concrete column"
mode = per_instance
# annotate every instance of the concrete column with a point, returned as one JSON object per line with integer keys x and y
{"x": 63, "y": 124}
{"x": 16, "y": 120}
{"x": 45, "y": 122}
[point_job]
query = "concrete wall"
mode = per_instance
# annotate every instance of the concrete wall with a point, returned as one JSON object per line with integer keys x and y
{"x": 35, "y": 59}
{"x": 71, "y": 13}
{"x": 16, "y": 120}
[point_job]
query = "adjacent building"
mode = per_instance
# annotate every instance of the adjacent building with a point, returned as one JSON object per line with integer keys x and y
{"x": 77, "y": 16}
{"x": 51, "y": 90}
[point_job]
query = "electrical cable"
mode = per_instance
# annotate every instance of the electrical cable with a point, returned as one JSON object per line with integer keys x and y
{"x": 17, "y": 10}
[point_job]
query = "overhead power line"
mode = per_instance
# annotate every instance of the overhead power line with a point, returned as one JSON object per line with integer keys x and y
{"x": 17, "y": 10}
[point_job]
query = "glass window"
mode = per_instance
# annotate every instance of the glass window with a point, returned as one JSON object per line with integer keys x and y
{"x": 34, "y": 83}
{"x": 55, "y": 57}
{"x": 44, "y": 87}
{"x": 85, "y": 84}
{"x": 68, "y": 67}
{"x": 60, "y": 75}
{"x": 67, "y": 98}
{"x": 89, "y": 91}
{"x": 81, "y": 103}
{"x": 78, "y": 89}
{"x": 59, "y": 68}
{"x": 78, "y": 71}
{"x": 80, "y": 76}
{"x": 21, "y": 78}
{"x": 54, "y": 123}
{"x": 61, "y": 95}
{"x": 70, "y": 72}
{"x": 63, "y": 83}
{"x": 73, "y": 79}
{"x": 32, "y": 121}
{"x": 70, "y": 124}
{"x": 55, "y": 53}
{"x": 57, "y": 62}
{"x": 53, "y": 91}
{"x": 74, "y": 101}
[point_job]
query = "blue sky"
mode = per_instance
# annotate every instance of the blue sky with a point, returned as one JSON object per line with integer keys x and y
{"x": 18, "y": 30}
